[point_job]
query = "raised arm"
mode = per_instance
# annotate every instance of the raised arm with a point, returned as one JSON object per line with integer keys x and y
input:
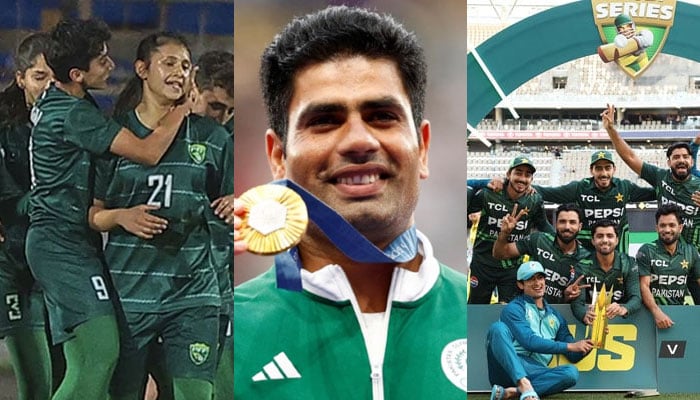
{"x": 150, "y": 150}
{"x": 623, "y": 149}
{"x": 694, "y": 145}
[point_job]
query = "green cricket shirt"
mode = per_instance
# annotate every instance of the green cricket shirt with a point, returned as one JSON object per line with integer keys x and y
{"x": 597, "y": 204}
{"x": 494, "y": 206}
{"x": 623, "y": 278}
{"x": 559, "y": 267}
{"x": 669, "y": 273}
{"x": 668, "y": 191}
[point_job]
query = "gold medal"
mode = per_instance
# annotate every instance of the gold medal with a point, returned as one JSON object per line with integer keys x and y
{"x": 275, "y": 219}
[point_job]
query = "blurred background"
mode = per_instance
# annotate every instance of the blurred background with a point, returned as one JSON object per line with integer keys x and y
{"x": 207, "y": 25}
{"x": 441, "y": 28}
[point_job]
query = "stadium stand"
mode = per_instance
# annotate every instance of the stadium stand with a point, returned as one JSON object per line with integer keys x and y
{"x": 654, "y": 110}
{"x": 573, "y": 165}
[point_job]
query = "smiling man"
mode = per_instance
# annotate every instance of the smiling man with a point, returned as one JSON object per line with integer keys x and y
{"x": 488, "y": 272}
{"x": 617, "y": 271}
{"x": 674, "y": 185}
{"x": 559, "y": 254}
{"x": 666, "y": 265}
{"x": 599, "y": 196}
{"x": 344, "y": 90}
{"x": 520, "y": 346}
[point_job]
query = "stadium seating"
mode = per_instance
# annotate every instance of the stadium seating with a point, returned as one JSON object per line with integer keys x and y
{"x": 573, "y": 165}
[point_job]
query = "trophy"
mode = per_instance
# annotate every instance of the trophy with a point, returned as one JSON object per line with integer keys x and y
{"x": 600, "y": 323}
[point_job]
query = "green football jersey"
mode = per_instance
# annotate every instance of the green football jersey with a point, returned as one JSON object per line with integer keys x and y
{"x": 222, "y": 253}
{"x": 174, "y": 269}
{"x": 559, "y": 267}
{"x": 668, "y": 191}
{"x": 68, "y": 131}
{"x": 494, "y": 206}
{"x": 669, "y": 273}
{"x": 623, "y": 278}
{"x": 597, "y": 204}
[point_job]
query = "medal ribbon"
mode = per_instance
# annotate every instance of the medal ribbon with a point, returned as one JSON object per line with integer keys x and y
{"x": 343, "y": 236}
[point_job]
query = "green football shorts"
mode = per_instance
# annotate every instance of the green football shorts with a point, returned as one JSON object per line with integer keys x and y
{"x": 72, "y": 276}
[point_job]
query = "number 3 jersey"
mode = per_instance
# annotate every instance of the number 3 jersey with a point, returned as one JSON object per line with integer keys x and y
{"x": 174, "y": 270}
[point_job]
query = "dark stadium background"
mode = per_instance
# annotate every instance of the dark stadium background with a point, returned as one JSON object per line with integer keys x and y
{"x": 207, "y": 25}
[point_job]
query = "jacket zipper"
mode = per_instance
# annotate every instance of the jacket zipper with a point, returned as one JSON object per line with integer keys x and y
{"x": 376, "y": 361}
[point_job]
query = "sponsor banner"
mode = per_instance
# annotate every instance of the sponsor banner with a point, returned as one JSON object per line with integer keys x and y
{"x": 601, "y": 135}
{"x": 678, "y": 351}
{"x": 628, "y": 361}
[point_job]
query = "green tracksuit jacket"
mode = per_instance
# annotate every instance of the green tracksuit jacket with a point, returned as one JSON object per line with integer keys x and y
{"x": 309, "y": 345}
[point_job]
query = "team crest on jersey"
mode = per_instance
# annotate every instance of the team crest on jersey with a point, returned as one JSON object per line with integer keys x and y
{"x": 199, "y": 353}
{"x": 633, "y": 32}
{"x": 454, "y": 363}
{"x": 197, "y": 152}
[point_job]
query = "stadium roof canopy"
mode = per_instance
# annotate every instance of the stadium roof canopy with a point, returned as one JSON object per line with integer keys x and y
{"x": 511, "y": 11}
{"x": 506, "y": 11}
{"x": 504, "y": 62}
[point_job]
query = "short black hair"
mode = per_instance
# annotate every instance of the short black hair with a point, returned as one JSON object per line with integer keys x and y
{"x": 678, "y": 145}
{"x": 215, "y": 69}
{"x": 604, "y": 223}
{"x": 338, "y": 31}
{"x": 75, "y": 44}
{"x": 569, "y": 207}
{"x": 668, "y": 209}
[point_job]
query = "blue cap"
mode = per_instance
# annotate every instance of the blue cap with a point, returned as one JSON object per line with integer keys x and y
{"x": 528, "y": 269}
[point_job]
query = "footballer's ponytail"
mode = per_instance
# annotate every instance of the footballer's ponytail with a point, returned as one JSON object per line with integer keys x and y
{"x": 131, "y": 95}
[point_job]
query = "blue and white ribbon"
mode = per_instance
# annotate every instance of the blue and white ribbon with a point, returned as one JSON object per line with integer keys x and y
{"x": 343, "y": 236}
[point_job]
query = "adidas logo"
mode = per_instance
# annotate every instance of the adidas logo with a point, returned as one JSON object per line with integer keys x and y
{"x": 279, "y": 368}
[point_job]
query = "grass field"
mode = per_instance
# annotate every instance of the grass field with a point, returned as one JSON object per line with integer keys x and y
{"x": 598, "y": 396}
